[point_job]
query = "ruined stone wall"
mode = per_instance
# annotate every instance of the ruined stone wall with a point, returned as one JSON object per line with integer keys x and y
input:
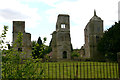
{"x": 19, "y": 26}
{"x": 54, "y": 46}
{"x": 63, "y": 44}
{"x": 87, "y": 41}
{"x": 61, "y": 38}
{"x": 93, "y": 33}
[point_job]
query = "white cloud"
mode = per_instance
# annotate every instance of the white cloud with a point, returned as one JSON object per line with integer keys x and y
{"x": 11, "y": 14}
{"x": 14, "y": 10}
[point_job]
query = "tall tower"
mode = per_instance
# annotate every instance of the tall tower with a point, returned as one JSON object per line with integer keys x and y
{"x": 61, "y": 40}
{"x": 93, "y": 33}
{"x": 19, "y": 26}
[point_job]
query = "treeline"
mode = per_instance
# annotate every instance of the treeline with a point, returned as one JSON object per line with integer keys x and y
{"x": 109, "y": 45}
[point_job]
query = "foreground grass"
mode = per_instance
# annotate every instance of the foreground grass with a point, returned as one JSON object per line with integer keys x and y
{"x": 75, "y": 70}
{"x": 79, "y": 70}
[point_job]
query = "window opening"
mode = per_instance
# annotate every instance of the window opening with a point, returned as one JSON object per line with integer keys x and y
{"x": 62, "y": 25}
{"x": 64, "y": 54}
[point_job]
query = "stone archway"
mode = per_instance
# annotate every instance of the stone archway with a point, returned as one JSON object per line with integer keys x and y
{"x": 64, "y": 54}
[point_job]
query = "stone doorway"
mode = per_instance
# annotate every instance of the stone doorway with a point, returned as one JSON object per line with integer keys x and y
{"x": 64, "y": 55}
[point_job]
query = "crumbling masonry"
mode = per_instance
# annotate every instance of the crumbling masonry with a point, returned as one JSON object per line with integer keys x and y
{"x": 19, "y": 26}
{"x": 93, "y": 33}
{"x": 61, "y": 40}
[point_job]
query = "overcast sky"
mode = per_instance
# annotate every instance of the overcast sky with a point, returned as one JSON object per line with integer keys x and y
{"x": 40, "y": 16}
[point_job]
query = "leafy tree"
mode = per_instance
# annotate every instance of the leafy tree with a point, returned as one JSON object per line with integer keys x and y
{"x": 38, "y": 50}
{"x": 8, "y": 46}
{"x": 47, "y": 50}
{"x": 39, "y": 41}
{"x": 109, "y": 45}
{"x": 11, "y": 62}
{"x": 33, "y": 44}
{"x": 75, "y": 53}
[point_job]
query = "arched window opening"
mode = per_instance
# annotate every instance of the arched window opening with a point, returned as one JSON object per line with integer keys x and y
{"x": 64, "y": 54}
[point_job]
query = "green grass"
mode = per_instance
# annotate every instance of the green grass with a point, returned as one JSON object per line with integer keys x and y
{"x": 77, "y": 70}
{"x": 84, "y": 70}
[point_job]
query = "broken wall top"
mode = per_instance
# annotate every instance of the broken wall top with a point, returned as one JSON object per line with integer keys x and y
{"x": 19, "y": 26}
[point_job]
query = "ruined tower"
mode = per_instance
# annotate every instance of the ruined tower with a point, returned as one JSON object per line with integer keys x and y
{"x": 19, "y": 26}
{"x": 93, "y": 33}
{"x": 61, "y": 40}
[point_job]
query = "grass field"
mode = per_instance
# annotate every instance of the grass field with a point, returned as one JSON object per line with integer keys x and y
{"x": 77, "y": 70}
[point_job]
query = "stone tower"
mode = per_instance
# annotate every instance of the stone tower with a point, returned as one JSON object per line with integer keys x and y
{"x": 61, "y": 40}
{"x": 19, "y": 26}
{"x": 93, "y": 32}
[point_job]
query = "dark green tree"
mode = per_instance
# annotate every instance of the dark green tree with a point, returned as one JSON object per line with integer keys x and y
{"x": 8, "y": 46}
{"x": 39, "y": 41}
{"x": 109, "y": 45}
{"x": 50, "y": 43}
{"x": 38, "y": 50}
{"x": 36, "y": 47}
{"x": 47, "y": 50}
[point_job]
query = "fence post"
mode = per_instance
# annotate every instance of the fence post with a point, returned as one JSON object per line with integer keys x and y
{"x": 77, "y": 71}
{"x": 118, "y": 58}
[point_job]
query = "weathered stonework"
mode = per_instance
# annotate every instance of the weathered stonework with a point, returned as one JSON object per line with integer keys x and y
{"x": 93, "y": 33}
{"x": 61, "y": 40}
{"x": 19, "y": 26}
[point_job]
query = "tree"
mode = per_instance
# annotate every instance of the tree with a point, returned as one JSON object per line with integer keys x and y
{"x": 109, "y": 45}
{"x": 8, "y": 46}
{"x": 36, "y": 46}
{"x": 38, "y": 50}
{"x": 75, "y": 53}
{"x": 11, "y": 62}
{"x": 39, "y": 41}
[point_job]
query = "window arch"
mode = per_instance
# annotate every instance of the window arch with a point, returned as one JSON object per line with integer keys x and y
{"x": 64, "y": 54}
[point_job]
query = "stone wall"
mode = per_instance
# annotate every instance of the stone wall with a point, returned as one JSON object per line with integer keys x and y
{"x": 93, "y": 33}
{"x": 19, "y": 26}
{"x": 61, "y": 40}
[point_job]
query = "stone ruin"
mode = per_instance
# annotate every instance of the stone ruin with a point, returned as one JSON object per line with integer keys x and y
{"x": 19, "y": 26}
{"x": 61, "y": 40}
{"x": 93, "y": 32}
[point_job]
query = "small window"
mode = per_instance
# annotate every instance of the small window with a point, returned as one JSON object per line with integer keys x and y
{"x": 62, "y": 25}
{"x": 64, "y": 54}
